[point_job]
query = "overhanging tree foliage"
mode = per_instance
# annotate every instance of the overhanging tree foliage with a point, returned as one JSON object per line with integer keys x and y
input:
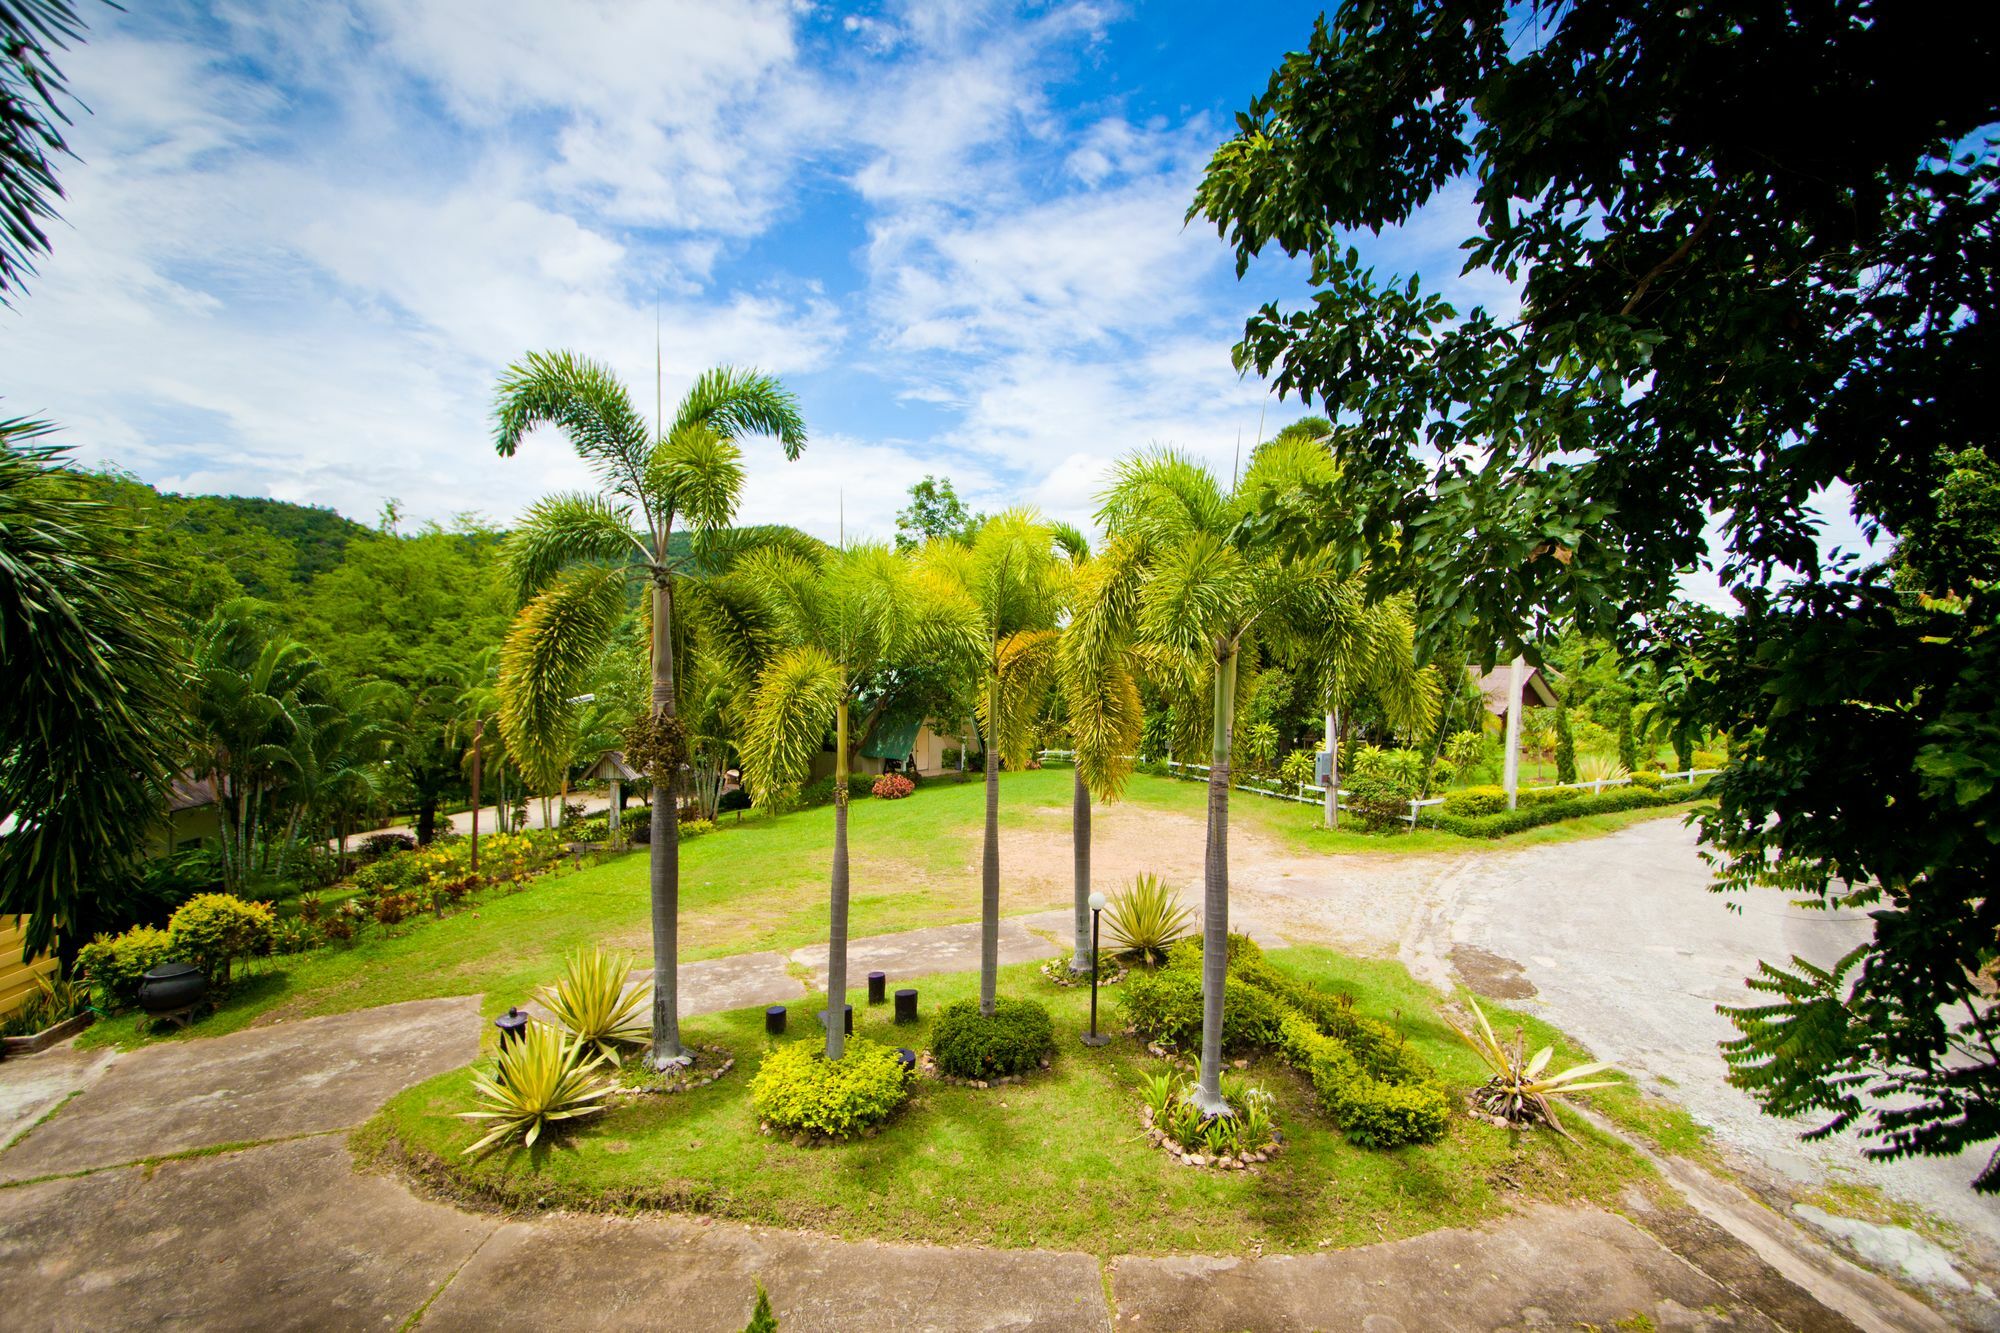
{"x": 1754, "y": 248}
{"x": 90, "y": 719}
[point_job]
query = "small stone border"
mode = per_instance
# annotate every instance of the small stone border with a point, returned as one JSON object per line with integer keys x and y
{"x": 49, "y": 1036}
{"x": 685, "y": 1079}
{"x": 927, "y": 1068}
{"x": 1056, "y": 972}
{"x": 1188, "y": 1157}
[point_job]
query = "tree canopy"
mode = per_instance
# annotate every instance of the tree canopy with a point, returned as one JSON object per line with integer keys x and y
{"x": 1753, "y": 249}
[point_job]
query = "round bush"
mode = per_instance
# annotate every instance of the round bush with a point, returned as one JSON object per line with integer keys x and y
{"x": 213, "y": 929}
{"x": 797, "y": 1088}
{"x": 1166, "y": 1006}
{"x": 893, "y": 786}
{"x": 1015, "y": 1038}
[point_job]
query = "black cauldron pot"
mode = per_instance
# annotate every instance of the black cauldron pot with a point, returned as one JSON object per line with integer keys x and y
{"x": 170, "y": 987}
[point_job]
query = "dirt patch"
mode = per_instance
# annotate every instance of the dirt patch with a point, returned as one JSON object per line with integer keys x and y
{"x": 1490, "y": 974}
{"x": 1359, "y": 904}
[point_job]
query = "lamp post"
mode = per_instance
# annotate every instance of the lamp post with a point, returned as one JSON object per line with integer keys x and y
{"x": 1094, "y": 1037}
{"x": 478, "y": 731}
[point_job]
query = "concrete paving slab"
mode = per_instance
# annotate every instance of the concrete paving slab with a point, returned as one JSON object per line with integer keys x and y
{"x": 1545, "y": 1266}
{"x": 601, "y": 1273}
{"x": 262, "y": 1083}
{"x": 916, "y": 953}
{"x": 279, "y": 1237}
{"x": 33, "y": 1085}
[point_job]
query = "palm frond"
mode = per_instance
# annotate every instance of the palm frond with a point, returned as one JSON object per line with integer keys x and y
{"x": 1197, "y": 589}
{"x": 794, "y": 705}
{"x": 697, "y": 473}
{"x": 563, "y": 530}
{"x": 1021, "y": 681}
{"x": 1160, "y": 497}
{"x": 734, "y": 403}
{"x": 584, "y": 400}
{"x": 547, "y": 659}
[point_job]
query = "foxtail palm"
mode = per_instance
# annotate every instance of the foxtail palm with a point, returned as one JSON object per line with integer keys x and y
{"x": 839, "y": 622}
{"x": 1368, "y": 650}
{"x": 1208, "y": 588}
{"x": 1094, "y": 670}
{"x": 574, "y": 556}
{"x": 1008, "y": 582}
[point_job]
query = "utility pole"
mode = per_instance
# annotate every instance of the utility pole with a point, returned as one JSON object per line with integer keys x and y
{"x": 1515, "y": 680}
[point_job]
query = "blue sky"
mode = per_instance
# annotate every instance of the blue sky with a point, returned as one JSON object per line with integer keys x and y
{"x": 303, "y": 241}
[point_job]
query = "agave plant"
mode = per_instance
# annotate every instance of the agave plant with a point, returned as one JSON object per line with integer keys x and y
{"x": 591, "y": 1004}
{"x": 1519, "y": 1091}
{"x": 1146, "y": 917}
{"x": 542, "y": 1077}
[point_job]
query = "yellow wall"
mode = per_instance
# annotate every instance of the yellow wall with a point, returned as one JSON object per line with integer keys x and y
{"x": 17, "y": 979}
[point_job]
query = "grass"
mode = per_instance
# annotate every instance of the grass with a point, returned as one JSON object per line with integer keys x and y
{"x": 754, "y": 884}
{"x": 1057, "y": 1161}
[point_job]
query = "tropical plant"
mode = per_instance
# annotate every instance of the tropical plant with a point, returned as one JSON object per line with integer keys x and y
{"x": 574, "y": 556}
{"x": 1519, "y": 1091}
{"x": 1365, "y": 648}
{"x": 1205, "y": 587}
{"x": 52, "y": 1001}
{"x": 91, "y": 728}
{"x": 835, "y": 623}
{"x": 591, "y": 1004}
{"x": 1565, "y": 744}
{"x": 1097, "y": 673}
{"x": 1145, "y": 917}
{"x": 540, "y": 1080}
{"x": 32, "y": 106}
{"x": 893, "y": 787}
{"x": 1599, "y": 768}
{"x": 1011, "y": 589}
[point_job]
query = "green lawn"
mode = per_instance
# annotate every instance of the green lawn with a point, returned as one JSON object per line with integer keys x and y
{"x": 757, "y": 884}
{"x": 1057, "y": 1161}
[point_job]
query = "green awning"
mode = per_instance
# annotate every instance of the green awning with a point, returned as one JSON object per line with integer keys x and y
{"x": 894, "y": 737}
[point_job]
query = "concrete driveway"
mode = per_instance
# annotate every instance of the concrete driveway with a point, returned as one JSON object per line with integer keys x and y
{"x": 1619, "y": 941}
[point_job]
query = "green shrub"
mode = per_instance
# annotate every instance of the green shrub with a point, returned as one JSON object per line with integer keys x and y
{"x": 1475, "y": 801}
{"x": 1565, "y": 805}
{"x": 1165, "y": 1006}
{"x": 799, "y": 1089}
{"x": 1016, "y": 1037}
{"x": 1370, "y": 1111}
{"x": 1647, "y": 779}
{"x": 1185, "y": 955}
{"x": 115, "y": 964}
{"x": 212, "y": 930}
{"x": 295, "y": 934}
{"x": 1300, "y": 768}
{"x": 820, "y": 792}
{"x": 733, "y": 799}
{"x": 392, "y": 873}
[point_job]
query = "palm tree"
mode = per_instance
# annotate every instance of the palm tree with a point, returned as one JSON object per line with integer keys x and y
{"x": 1367, "y": 649}
{"x": 1208, "y": 588}
{"x": 1095, "y": 670}
{"x": 574, "y": 556}
{"x": 839, "y": 623}
{"x": 91, "y": 719}
{"x": 1010, "y": 587}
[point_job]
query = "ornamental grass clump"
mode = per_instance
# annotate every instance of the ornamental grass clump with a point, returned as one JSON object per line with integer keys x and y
{"x": 1015, "y": 1038}
{"x": 592, "y": 1005}
{"x": 541, "y": 1079}
{"x": 1519, "y": 1092}
{"x": 799, "y": 1090}
{"x": 1145, "y": 917}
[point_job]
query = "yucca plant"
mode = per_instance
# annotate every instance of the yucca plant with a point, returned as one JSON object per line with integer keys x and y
{"x": 541, "y": 1077}
{"x": 591, "y": 1004}
{"x": 1146, "y": 917}
{"x": 1519, "y": 1092}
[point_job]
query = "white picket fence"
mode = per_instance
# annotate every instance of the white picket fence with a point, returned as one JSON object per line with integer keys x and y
{"x": 1307, "y": 794}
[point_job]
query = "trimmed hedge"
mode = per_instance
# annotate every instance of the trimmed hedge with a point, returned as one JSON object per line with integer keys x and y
{"x": 1548, "y": 805}
{"x": 797, "y": 1088}
{"x": 1013, "y": 1039}
{"x": 1367, "y": 1077}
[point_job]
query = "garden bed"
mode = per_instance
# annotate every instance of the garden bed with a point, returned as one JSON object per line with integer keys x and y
{"x": 1056, "y": 1161}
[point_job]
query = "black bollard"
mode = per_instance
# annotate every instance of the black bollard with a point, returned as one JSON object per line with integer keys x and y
{"x": 877, "y": 983}
{"x": 906, "y": 1005}
{"x": 774, "y": 1020}
{"x": 850, "y": 1019}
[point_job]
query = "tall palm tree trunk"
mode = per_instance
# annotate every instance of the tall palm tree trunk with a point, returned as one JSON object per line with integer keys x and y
{"x": 836, "y": 940}
{"x": 1080, "y": 957}
{"x": 1333, "y": 767}
{"x": 989, "y": 867}
{"x": 1215, "y": 894}
{"x": 665, "y": 856}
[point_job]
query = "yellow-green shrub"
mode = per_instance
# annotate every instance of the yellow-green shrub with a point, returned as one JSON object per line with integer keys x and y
{"x": 799, "y": 1089}
{"x": 116, "y": 964}
{"x": 212, "y": 930}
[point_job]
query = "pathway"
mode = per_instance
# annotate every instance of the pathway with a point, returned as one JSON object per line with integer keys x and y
{"x": 207, "y": 1183}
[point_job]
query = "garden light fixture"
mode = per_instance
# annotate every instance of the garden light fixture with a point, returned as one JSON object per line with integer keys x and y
{"x": 1094, "y": 1037}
